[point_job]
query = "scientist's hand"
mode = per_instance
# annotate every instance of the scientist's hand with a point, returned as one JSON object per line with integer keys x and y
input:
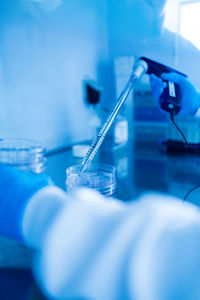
{"x": 190, "y": 97}
{"x": 16, "y": 188}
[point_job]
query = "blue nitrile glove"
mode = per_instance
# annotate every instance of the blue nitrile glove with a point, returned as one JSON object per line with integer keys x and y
{"x": 16, "y": 188}
{"x": 190, "y": 97}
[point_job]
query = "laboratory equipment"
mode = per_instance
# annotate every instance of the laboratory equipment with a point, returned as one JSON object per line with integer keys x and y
{"x": 186, "y": 126}
{"x": 170, "y": 100}
{"x": 139, "y": 69}
{"x": 179, "y": 147}
{"x": 80, "y": 150}
{"x": 100, "y": 177}
{"x": 93, "y": 97}
{"x": 26, "y": 155}
{"x": 122, "y": 129}
{"x": 23, "y": 153}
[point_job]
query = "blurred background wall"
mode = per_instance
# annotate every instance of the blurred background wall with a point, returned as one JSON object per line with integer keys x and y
{"x": 45, "y": 53}
{"x": 48, "y": 48}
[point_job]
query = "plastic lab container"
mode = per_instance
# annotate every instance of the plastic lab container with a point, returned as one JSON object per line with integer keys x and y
{"x": 26, "y": 155}
{"x": 23, "y": 154}
{"x": 100, "y": 177}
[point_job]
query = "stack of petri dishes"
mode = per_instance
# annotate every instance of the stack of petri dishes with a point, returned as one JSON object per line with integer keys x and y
{"x": 23, "y": 154}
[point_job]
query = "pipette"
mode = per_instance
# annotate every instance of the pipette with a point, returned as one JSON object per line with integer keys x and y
{"x": 139, "y": 69}
{"x": 169, "y": 100}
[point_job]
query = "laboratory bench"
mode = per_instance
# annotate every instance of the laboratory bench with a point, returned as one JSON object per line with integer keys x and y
{"x": 140, "y": 167}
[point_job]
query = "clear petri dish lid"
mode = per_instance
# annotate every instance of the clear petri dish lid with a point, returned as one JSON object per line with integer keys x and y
{"x": 100, "y": 177}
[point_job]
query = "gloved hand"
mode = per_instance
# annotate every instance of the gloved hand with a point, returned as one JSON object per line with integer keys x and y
{"x": 16, "y": 188}
{"x": 190, "y": 97}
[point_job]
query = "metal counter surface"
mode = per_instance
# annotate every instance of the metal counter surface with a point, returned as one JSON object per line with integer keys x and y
{"x": 140, "y": 166}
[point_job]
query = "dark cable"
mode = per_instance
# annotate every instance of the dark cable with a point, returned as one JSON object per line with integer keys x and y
{"x": 182, "y": 134}
{"x": 191, "y": 190}
{"x": 174, "y": 123}
{"x": 186, "y": 142}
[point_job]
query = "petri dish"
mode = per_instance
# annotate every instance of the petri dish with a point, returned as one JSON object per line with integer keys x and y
{"x": 23, "y": 154}
{"x": 28, "y": 155}
{"x": 101, "y": 177}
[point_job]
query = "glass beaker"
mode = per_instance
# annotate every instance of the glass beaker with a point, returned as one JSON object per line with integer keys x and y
{"x": 100, "y": 177}
{"x": 23, "y": 154}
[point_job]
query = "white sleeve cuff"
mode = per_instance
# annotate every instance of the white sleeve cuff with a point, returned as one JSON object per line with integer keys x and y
{"x": 40, "y": 211}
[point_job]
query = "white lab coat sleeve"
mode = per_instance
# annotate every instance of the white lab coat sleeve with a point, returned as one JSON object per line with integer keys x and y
{"x": 166, "y": 263}
{"x": 97, "y": 248}
{"x": 48, "y": 5}
{"x": 198, "y": 113}
{"x": 39, "y": 214}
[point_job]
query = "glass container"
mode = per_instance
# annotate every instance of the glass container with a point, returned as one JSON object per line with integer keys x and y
{"x": 23, "y": 154}
{"x": 26, "y": 155}
{"x": 100, "y": 177}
